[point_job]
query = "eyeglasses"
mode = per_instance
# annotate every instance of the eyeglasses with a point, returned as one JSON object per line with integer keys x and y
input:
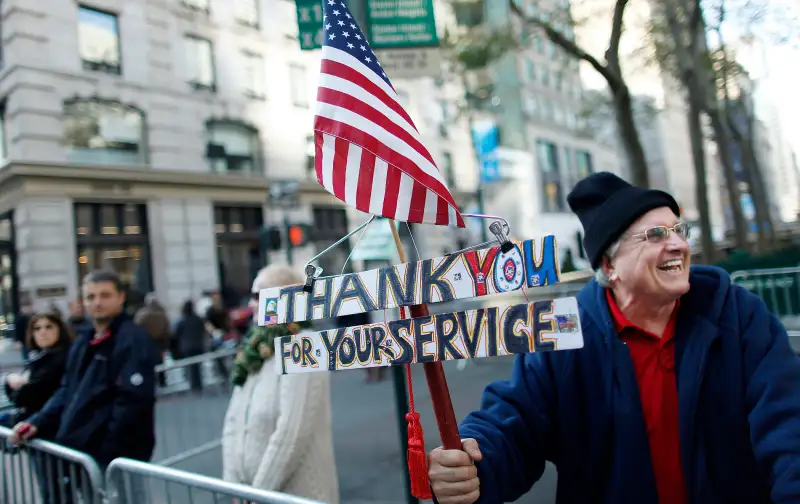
{"x": 658, "y": 234}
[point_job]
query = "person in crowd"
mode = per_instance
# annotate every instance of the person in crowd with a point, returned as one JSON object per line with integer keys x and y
{"x": 48, "y": 338}
{"x": 190, "y": 337}
{"x": 277, "y": 432}
{"x": 77, "y": 317}
{"x": 105, "y": 404}
{"x": 152, "y": 316}
{"x": 217, "y": 325}
{"x": 21, "y": 322}
{"x": 686, "y": 389}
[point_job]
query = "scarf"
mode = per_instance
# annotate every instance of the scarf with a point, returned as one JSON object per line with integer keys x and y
{"x": 257, "y": 346}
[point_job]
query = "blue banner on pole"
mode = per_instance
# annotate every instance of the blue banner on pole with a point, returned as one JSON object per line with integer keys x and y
{"x": 486, "y": 139}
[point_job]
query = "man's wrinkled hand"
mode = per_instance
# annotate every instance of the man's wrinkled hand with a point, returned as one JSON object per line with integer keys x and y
{"x": 453, "y": 475}
{"x": 22, "y": 432}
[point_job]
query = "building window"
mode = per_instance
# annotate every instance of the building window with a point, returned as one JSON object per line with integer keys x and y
{"x": 558, "y": 115}
{"x": 105, "y": 132}
{"x": 200, "y": 63}
{"x": 98, "y": 36}
{"x": 531, "y": 106}
{"x": 448, "y": 171}
{"x": 583, "y": 162}
{"x": 311, "y": 154}
{"x": 551, "y": 49}
{"x": 530, "y": 70}
{"x": 299, "y": 85}
{"x": 238, "y": 249}
{"x": 545, "y": 73}
{"x": 253, "y": 75}
{"x": 198, "y": 5}
{"x": 232, "y": 147}
{"x": 246, "y": 12}
{"x": 115, "y": 236}
{"x": 547, "y": 110}
{"x": 538, "y": 43}
{"x": 547, "y": 154}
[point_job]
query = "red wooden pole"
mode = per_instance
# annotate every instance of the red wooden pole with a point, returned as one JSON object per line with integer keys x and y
{"x": 434, "y": 375}
{"x": 440, "y": 395}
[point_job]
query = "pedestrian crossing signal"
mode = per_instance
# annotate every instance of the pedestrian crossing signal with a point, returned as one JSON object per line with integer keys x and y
{"x": 298, "y": 234}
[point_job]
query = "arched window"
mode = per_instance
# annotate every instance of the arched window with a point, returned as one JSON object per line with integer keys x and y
{"x": 232, "y": 147}
{"x": 104, "y": 132}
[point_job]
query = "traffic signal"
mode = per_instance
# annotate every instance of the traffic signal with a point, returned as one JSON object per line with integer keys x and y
{"x": 271, "y": 238}
{"x": 298, "y": 234}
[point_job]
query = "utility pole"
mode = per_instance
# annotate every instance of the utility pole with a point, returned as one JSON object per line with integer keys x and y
{"x": 289, "y": 246}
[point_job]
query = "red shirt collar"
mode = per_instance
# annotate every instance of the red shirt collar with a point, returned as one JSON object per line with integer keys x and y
{"x": 105, "y": 336}
{"x": 621, "y": 322}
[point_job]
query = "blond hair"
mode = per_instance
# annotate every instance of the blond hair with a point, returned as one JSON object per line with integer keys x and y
{"x": 277, "y": 275}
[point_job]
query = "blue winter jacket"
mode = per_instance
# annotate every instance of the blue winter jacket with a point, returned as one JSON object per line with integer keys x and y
{"x": 106, "y": 403}
{"x": 739, "y": 409}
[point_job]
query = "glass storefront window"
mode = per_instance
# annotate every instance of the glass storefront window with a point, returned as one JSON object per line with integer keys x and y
{"x": 238, "y": 230}
{"x": 84, "y": 225}
{"x": 114, "y": 236}
{"x": 131, "y": 220}
{"x": 130, "y": 262}
{"x": 109, "y": 223}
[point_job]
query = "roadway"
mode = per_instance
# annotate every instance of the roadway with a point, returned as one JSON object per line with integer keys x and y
{"x": 369, "y": 461}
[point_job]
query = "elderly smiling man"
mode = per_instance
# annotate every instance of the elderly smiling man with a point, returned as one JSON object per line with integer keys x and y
{"x": 686, "y": 390}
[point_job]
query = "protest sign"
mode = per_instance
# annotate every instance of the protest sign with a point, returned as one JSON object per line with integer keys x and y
{"x": 539, "y": 326}
{"x": 531, "y": 263}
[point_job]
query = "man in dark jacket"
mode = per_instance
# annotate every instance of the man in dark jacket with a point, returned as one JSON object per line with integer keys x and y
{"x": 105, "y": 405}
{"x": 686, "y": 390}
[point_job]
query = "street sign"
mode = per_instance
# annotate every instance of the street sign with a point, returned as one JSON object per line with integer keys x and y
{"x": 283, "y": 193}
{"x": 309, "y": 24}
{"x": 401, "y": 24}
{"x": 411, "y": 63}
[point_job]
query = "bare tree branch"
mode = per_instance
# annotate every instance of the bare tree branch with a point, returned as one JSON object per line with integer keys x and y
{"x": 614, "y": 80}
{"x": 612, "y": 53}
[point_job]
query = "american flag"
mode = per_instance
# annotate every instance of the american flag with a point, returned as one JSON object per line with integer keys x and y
{"x": 369, "y": 154}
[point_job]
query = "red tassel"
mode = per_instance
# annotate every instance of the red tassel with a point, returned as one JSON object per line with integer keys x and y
{"x": 417, "y": 459}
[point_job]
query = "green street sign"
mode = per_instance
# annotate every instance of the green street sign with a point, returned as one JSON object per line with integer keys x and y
{"x": 309, "y": 24}
{"x": 401, "y": 23}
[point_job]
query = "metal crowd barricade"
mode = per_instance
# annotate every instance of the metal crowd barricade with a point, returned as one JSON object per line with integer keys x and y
{"x": 40, "y": 472}
{"x": 778, "y": 287}
{"x": 133, "y": 482}
{"x": 191, "y": 406}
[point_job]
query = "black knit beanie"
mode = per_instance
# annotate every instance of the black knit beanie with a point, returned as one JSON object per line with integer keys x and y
{"x": 607, "y": 205}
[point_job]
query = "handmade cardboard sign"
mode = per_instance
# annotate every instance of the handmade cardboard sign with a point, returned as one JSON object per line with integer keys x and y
{"x": 540, "y": 326}
{"x": 531, "y": 263}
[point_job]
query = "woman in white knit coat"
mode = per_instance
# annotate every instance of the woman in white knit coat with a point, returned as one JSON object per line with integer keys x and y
{"x": 277, "y": 432}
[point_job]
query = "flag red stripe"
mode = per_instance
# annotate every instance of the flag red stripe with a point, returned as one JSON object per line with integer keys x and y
{"x": 390, "y": 198}
{"x": 370, "y": 113}
{"x": 365, "y": 176}
{"x": 394, "y": 158}
{"x": 318, "y": 155}
{"x": 418, "y": 194}
{"x": 345, "y": 72}
{"x": 340, "y": 167}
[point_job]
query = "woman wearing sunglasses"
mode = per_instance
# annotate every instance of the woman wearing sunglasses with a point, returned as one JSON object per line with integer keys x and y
{"x": 686, "y": 389}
